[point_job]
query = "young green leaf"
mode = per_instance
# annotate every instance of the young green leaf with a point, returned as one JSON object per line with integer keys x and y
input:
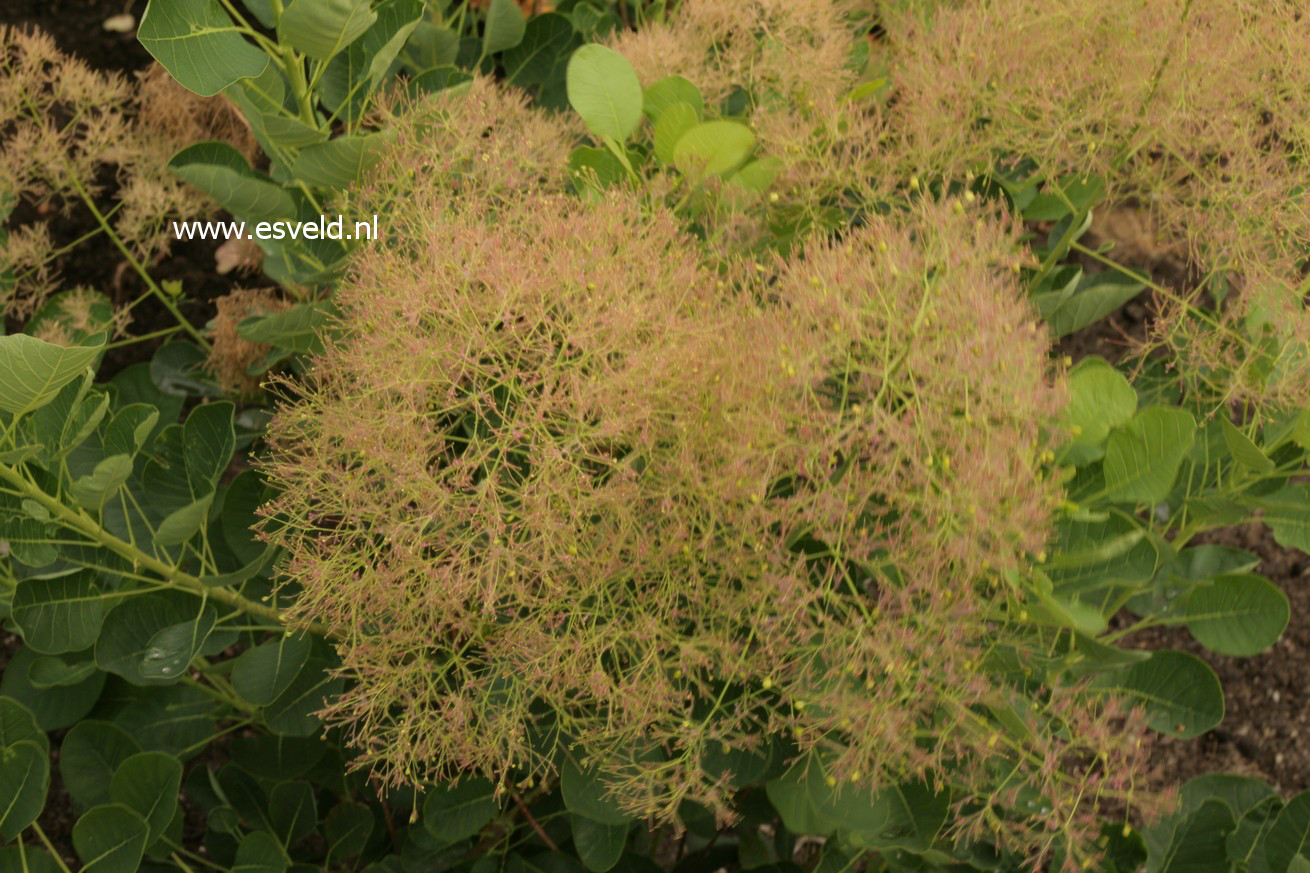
{"x": 172, "y": 648}
{"x": 322, "y": 28}
{"x": 1100, "y": 398}
{"x": 129, "y": 633}
{"x": 505, "y": 27}
{"x": 105, "y": 479}
{"x": 713, "y": 148}
{"x": 674, "y": 121}
{"x": 1243, "y": 450}
{"x": 668, "y": 92}
{"x": 604, "y": 90}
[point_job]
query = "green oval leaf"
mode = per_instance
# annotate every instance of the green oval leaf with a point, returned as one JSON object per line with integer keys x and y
{"x": 292, "y": 811}
{"x": 182, "y": 524}
{"x": 148, "y": 783}
{"x": 339, "y": 163}
{"x": 110, "y": 839}
{"x": 261, "y": 674}
{"x": 171, "y": 649}
{"x": 1142, "y": 457}
{"x": 60, "y": 615}
{"x": 1289, "y": 837}
{"x": 24, "y": 782}
{"x": 221, "y": 172}
{"x": 259, "y": 852}
{"x": 505, "y": 27}
{"x": 88, "y": 757}
{"x": 53, "y": 707}
{"x": 586, "y": 794}
{"x": 347, "y": 829}
{"x": 1240, "y": 614}
{"x": 545, "y": 44}
{"x": 453, "y": 813}
{"x": 18, "y": 723}
{"x": 198, "y": 44}
{"x": 603, "y": 89}
{"x": 713, "y": 147}
{"x": 321, "y": 28}
{"x": 668, "y": 92}
{"x": 1179, "y": 693}
{"x": 105, "y": 479}
{"x": 130, "y": 628}
{"x": 33, "y": 371}
{"x": 1099, "y": 398}
{"x": 673, "y": 123}
{"x": 598, "y": 845}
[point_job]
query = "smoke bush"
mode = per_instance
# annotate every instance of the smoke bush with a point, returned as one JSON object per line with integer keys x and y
{"x": 562, "y": 489}
{"x": 1194, "y": 109}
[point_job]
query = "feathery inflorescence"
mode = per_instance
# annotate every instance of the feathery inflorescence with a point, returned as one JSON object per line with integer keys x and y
{"x": 562, "y": 488}
{"x": 1195, "y": 110}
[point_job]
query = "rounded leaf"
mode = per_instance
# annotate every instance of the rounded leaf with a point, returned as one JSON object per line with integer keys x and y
{"x": 453, "y": 813}
{"x": 713, "y": 147}
{"x": 586, "y": 793}
{"x": 24, "y": 782}
{"x": 1179, "y": 693}
{"x": 198, "y": 44}
{"x": 1238, "y": 614}
{"x": 598, "y": 845}
{"x": 604, "y": 90}
{"x": 53, "y": 707}
{"x": 110, "y": 839}
{"x": 92, "y": 750}
{"x": 33, "y": 370}
{"x": 59, "y": 615}
{"x": 148, "y": 783}
{"x": 261, "y": 674}
{"x": 672, "y": 124}
{"x": 669, "y": 91}
{"x": 1289, "y": 837}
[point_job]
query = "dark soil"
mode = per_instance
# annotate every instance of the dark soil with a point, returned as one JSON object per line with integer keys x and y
{"x": 78, "y": 27}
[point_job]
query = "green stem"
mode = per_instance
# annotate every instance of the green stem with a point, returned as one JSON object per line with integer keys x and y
{"x": 82, "y": 523}
{"x": 159, "y": 293}
{"x": 54, "y": 853}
